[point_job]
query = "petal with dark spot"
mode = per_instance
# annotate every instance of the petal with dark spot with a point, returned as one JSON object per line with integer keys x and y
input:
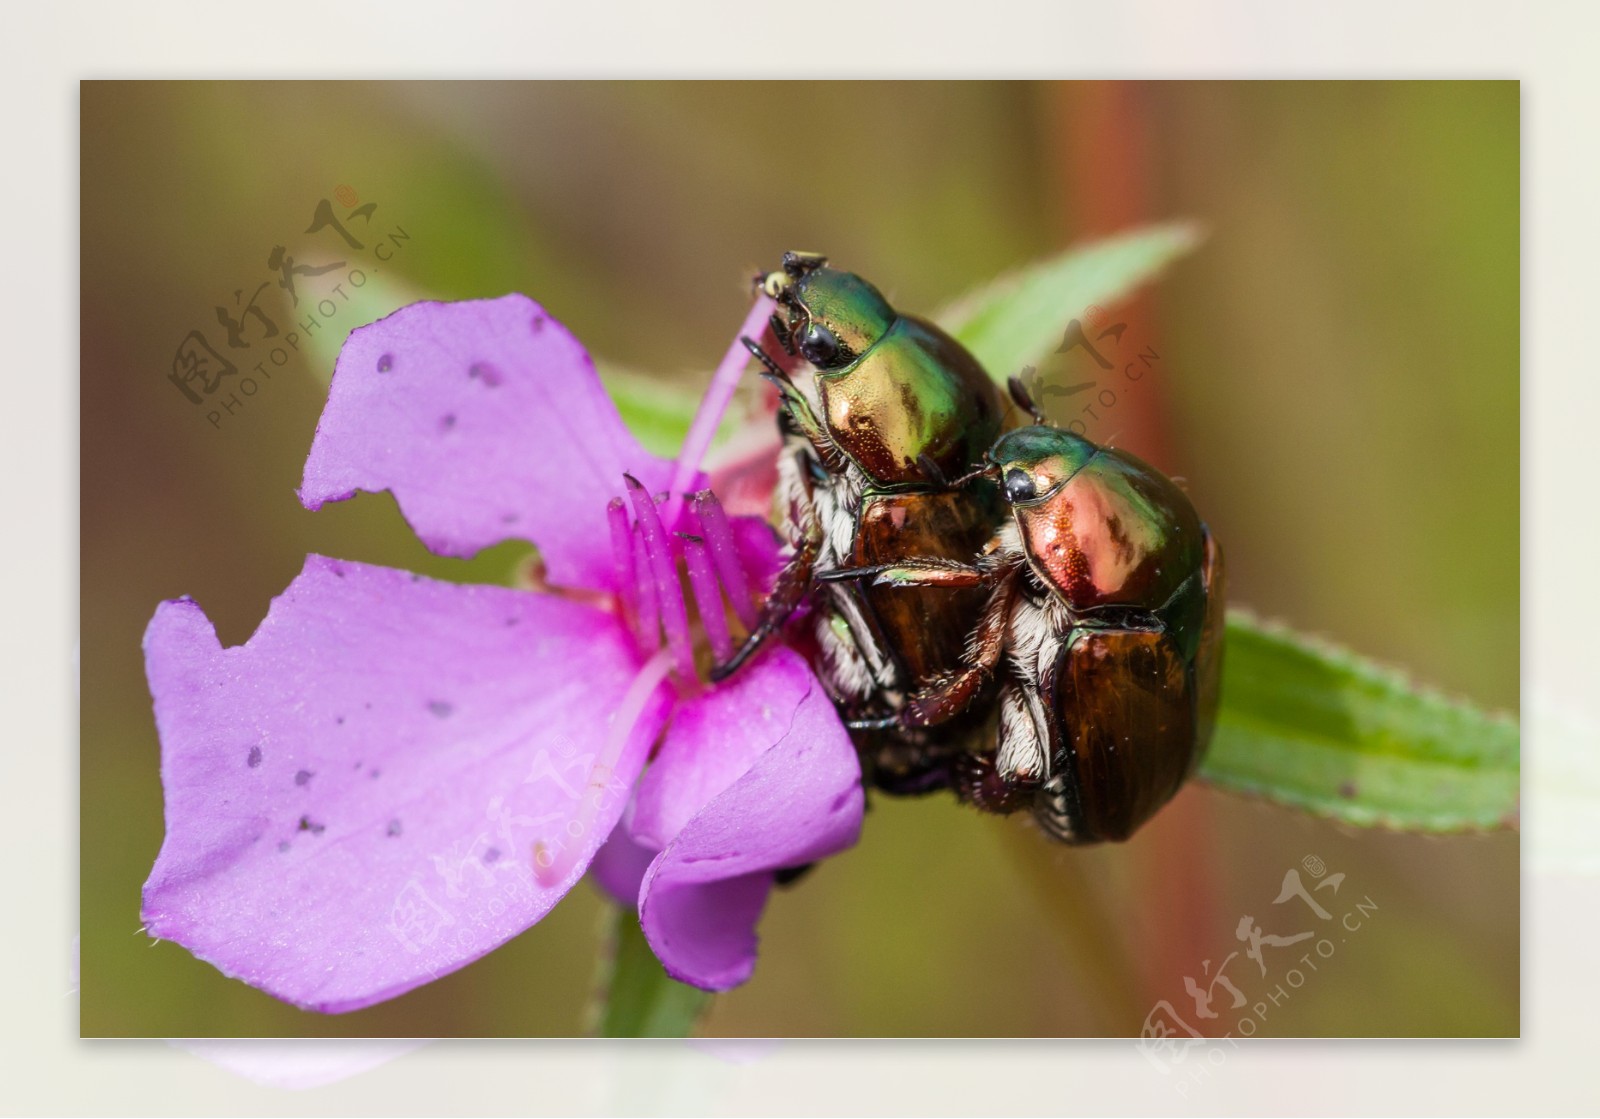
{"x": 537, "y": 458}
{"x": 357, "y": 910}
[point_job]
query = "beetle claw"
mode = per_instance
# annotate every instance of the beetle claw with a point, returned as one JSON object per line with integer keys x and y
{"x": 773, "y": 369}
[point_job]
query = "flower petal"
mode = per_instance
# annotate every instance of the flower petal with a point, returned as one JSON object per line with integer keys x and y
{"x": 353, "y": 797}
{"x": 773, "y": 781}
{"x": 761, "y": 552}
{"x": 712, "y": 741}
{"x": 487, "y": 422}
{"x": 620, "y": 865}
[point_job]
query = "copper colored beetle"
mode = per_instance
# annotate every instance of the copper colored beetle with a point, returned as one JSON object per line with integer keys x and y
{"x": 1026, "y": 617}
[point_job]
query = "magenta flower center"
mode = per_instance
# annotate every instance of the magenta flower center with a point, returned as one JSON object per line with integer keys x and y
{"x": 651, "y": 563}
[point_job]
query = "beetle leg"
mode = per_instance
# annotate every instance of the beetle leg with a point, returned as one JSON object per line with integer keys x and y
{"x": 772, "y": 371}
{"x": 952, "y": 695}
{"x": 797, "y": 264}
{"x": 957, "y": 692}
{"x": 795, "y": 402}
{"x": 930, "y": 572}
{"x": 882, "y": 722}
{"x": 978, "y": 784}
{"x": 793, "y": 583}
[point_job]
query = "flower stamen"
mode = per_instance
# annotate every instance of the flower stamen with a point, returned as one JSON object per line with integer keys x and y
{"x": 724, "y": 551}
{"x": 651, "y": 598}
{"x": 674, "y": 614}
{"x": 707, "y": 595}
{"x": 622, "y": 552}
{"x": 647, "y": 623}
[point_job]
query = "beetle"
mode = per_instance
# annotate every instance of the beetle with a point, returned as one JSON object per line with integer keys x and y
{"x": 878, "y": 470}
{"x": 1103, "y": 631}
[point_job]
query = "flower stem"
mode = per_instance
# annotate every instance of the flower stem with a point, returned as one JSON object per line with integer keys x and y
{"x": 633, "y": 996}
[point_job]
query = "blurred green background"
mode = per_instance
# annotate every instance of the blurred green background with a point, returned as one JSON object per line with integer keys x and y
{"x": 1338, "y": 386}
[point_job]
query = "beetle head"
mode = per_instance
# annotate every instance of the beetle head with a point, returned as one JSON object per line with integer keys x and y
{"x": 834, "y": 317}
{"x": 1035, "y": 462}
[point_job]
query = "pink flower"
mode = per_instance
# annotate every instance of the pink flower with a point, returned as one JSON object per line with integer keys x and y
{"x": 395, "y": 775}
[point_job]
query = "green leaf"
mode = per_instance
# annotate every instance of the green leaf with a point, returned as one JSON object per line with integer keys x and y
{"x": 658, "y": 414}
{"x": 1312, "y": 726}
{"x": 636, "y": 997}
{"x": 1018, "y": 320}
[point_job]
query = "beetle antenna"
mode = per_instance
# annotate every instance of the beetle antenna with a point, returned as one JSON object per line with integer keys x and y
{"x": 932, "y": 470}
{"x": 979, "y": 472}
{"x": 765, "y": 359}
{"x": 1023, "y": 399}
{"x": 780, "y": 331}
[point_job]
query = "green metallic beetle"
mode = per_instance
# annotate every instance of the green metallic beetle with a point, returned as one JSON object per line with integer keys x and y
{"x": 1028, "y": 618}
{"x": 872, "y": 474}
{"x": 1103, "y": 631}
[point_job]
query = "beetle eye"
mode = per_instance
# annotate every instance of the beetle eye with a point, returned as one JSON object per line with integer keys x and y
{"x": 820, "y": 346}
{"x": 1019, "y": 486}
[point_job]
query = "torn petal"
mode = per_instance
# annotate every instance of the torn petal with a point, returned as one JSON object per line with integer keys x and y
{"x": 352, "y": 795}
{"x": 487, "y": 422}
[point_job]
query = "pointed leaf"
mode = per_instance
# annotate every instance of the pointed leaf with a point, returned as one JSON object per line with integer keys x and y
{"x": 1019, "y": 319}
{"x": 1315, "y": 727}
